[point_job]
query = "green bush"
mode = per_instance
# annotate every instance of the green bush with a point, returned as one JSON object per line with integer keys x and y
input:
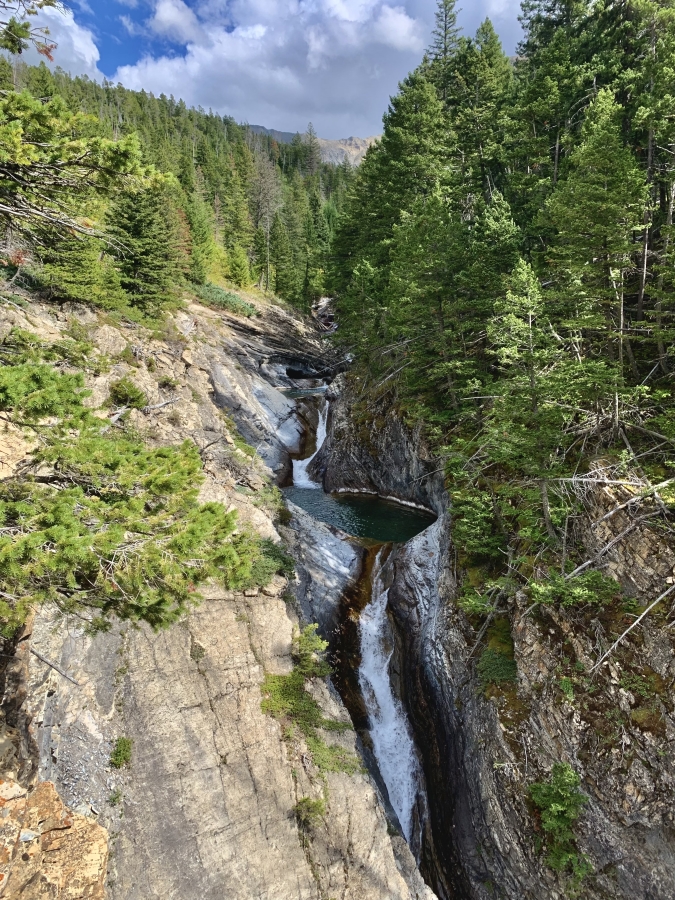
{"x": 121, "y": 753}
{"x": 308, "y": 653}
{"x": 33, "y": 392}
{"x": 473, "y": 526}
{"x": 216, "y": 296}
{"x": 592, "y": 588}
{"x": 285, "y": 698}
{"x": 308, "y": 812}
{"x": 496, "y": 668}
{"x": 271, "y": 559}
{"x": 125, "y": 534}
{"x": 125, "y": 393}
{"x": 567, "y": 688}
{"x": 560, "y": 803}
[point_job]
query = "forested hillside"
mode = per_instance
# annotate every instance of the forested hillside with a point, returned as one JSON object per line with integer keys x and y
{"x": 131, "y": 205}
{"x": 505, "y": 275}
{"x": 208, "y": 199}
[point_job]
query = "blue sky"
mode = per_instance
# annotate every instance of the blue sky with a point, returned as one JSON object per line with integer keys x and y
{"x": 279, "y": 63}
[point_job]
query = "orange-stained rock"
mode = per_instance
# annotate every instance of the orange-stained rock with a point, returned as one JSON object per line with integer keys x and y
{"x": 47, "y": 852}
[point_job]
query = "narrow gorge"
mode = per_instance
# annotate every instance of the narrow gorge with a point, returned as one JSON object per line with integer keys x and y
{"x": 429, "y": 785}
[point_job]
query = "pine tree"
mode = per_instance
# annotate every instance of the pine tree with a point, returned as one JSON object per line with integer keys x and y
{"x": 145, "y": 247}
{"x": 444, "y": 45}
{"x": 596, "y": 212}
{"x": 477, "y": 103}
{"x": 313, "y": 151}
{"x": 6, "y": 74}
{"x": 409, "y": 162}
{"x": 200, "y": 218}
{"x": 78, "y": 267}
{"x": 285, "y": 280}
{"x": 239, "y": 268}
{"x": 40, "y": 82}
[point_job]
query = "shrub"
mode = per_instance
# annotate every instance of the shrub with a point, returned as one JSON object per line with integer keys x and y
{"x": 30, "y": 392}
{"x": 308, "y": 812}
{"x": 567, "y": 688}
{"x": 560, "y": 802}
{"x": 474, "y": 528}
{"x": 496, "y": 668}
{"x": 285, "y": 698}
{"x": 271, "y": 559}
{"x": 590, "y": 587}
{"x": 216, "y": 296}
{"x": 125, "y": 533}
{"x": 121, "y": 753}
{"x": 125, "y": 393}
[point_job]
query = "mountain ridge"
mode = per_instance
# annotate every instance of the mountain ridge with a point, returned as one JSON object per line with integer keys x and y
{"x": 332, "y": 151}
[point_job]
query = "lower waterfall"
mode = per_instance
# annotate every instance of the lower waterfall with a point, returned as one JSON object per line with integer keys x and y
{"x": 389, "y": 729}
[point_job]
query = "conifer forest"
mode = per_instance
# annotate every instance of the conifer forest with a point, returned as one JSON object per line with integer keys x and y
{"x": 337, "y": 501}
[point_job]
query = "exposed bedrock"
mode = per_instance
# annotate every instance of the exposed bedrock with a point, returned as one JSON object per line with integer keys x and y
{"x": 379, "y": 455}
{"x": 207, "y": 807}
{"x": 481, "y": 752}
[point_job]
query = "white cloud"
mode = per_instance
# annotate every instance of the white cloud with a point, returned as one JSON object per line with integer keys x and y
{"x": 173, "y": 19}
{"x": 395, "y": 28}
{"x": 131, "y": 27}
{"x": 282, "y": 63}
{"x": 279, "y": 63}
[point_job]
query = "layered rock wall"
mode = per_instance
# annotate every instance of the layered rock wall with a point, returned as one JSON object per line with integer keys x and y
{"x": 207, "y": 807}
{"x": 483, "y": 748}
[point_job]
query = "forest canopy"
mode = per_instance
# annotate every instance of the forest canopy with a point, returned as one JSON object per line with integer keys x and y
{"x": 504, "y": 272}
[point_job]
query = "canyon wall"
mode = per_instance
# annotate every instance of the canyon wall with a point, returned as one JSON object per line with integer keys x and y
{"x": 481, "y": 747}
{"x": 208, "y": 807}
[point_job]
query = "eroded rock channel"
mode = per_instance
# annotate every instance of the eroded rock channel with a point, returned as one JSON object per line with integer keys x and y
{"x": 363, "y": 641}
{"x": 209, "y": 807}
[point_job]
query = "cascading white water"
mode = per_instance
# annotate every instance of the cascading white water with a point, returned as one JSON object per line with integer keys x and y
{"x": 300, "y": 476}
{"x": 389, "y": 728}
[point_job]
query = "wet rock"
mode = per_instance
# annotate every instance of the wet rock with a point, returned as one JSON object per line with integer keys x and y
{"x": 328, "y": 562}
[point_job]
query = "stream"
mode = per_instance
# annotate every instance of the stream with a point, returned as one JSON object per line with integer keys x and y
{"x": 381, "y": 522}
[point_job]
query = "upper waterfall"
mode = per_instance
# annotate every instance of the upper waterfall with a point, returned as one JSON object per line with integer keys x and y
{"x": 300, "y": 476}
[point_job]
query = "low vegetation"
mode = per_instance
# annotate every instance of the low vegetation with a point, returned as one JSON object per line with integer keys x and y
{"x": 285, "y": 697}
{"x": 216, "y": 296}
{"x": 121, "y": 755}
{"x": 559, "y": 803}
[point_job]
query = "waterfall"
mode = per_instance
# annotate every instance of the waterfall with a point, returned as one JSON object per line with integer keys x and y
{"x": 300, "y": 476}
{"x": 389, "y": 728}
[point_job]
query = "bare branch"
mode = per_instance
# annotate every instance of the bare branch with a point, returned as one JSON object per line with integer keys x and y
{"x": 634, "y": 625}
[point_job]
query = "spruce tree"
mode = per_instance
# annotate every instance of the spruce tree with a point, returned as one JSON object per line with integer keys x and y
{"x": 409, "y": 162}
{"x": 596, "y": 212}
{"x": 6, "y": 74}
{"x": 145, "y": 247}
{"x": 444, "y": 45}
{"x": 285, "y": 279}
{"x": 79, "y": 268}
{"x": 313, "y": 151}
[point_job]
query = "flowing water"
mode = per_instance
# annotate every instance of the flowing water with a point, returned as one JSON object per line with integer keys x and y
{"x": 381, "y": 521}
{"x": 361, "y": 515}
{"x": 300, "y": 477}
{"x": 389, "y": 729}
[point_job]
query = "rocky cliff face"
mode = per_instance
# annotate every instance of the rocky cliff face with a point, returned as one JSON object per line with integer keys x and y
{"x": 483, "y": 747}
{"x": 376, "y": 454}
{"x": 208, "y": 806}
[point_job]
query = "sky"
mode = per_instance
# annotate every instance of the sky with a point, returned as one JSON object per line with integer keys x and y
{"x": 277, "y": 63}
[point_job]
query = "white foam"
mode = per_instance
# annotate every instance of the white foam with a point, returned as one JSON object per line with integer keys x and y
{"x": 389, "y": 729}
{"x": 300, "y": 476}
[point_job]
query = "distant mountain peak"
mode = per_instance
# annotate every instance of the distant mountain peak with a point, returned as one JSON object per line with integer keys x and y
{"x": 336, "y": 151}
